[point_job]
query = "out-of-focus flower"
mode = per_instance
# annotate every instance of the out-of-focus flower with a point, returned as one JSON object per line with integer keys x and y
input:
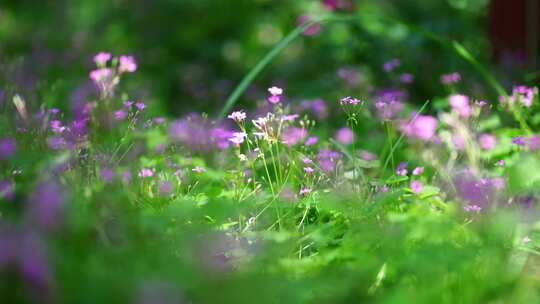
{"x": 140, "y": 106}
{"x": 344, "y": 136}
{"x": 56, "y": 143}
{"x": 307, "y": 161}
{"x": 308, "y": 170}
{"x": 317, "y": 107}
{"x": 519, "y": 141}
{"x": 275, "y": 94}
{"x": 106, "y": 175}
{"x": 312, "y": 29}
{"x": 500, "y": 163}
{"x": 350, "y": 76}
{"x": 525, "y": 240}
{"x": 101, "y": 58}
{"x": 127, "y": 64}
{"x": 418, "y": 171}
{"x": 120, "y": 115}
{"x": 56, "y": 126}
{"x": 145, "y": 172}
{"x": 305, "y": 191}
{"x": 523, "y": 95}
{"x": 128, "y": 104}
{"x": 293, "y": 135}
{"x": 238, "y": 138}
{"x": 416, "y": 187}
{"x": 312, "y": 140}
{"x": 450, "y": 79}
{"x": 101, "y": 75}
{"x": 289, "y": 118}
{"x": 406, "y": 78}
{"x": 165, "y": 188}
{"x": 45, "y": 204}
{"x": 328, "y": 159}
{"x": 391, "y": 65}
{"x": 8, "y": 147}
{"x": 349, "y": 101}
{"x": 460, "y": 104}
{"x": 7, "y": 191}
{"x": 401, "y": 169}
{"x": 472, "y": 208}
{"x": 422, "y": 127}
{"x": 487, "y": 141}
{"x": 533, "y": 143}
{"x": 238, "y": 116}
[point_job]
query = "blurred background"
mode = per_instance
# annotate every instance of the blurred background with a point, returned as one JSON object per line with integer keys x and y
{"x": 191, "y": 53}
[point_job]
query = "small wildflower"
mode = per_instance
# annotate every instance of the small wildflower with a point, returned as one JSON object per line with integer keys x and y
{"x": 519, "y": 140}
{"x": 423, "y": 127}
{"x": 472, "y": 208}
{"x": 344, "y": 136}
{"x": 242, "y": 157}
{"x": 416, "y": 187}
{"x": 140, "y": 106}
{"x": 293, "y": 135}
{"x": 145, "y": 172}
{"x": 165, "y": 188}
{"x": 101, "y": 75}
{"x": 418, "y": 171}
{"x": 312, "y": 140}
{"x": 349, "y": 101}
{"x": 460, "y": 105}
{"x": 101, "y": 58}
{"x": 533, "y": 143}
{"x": 305, "y": 191}
{"x": 525, "y": 240}
{"x": 128, "y": 104}
{"x": 307, "y": 161}
{"x": 500, "y": 163}
{"x": 56, "y": 126}
{"x": 238, "y": 138}
{"x": 391, "y": 65}
{"x": 487, "y": 141}
{"x": 290, "y": 118}
{"x": 237, "y": 116}
{"x": 308, "y": 170}
{"x": 120, "y": 115}
{"x": 450, "y": 79}
{"x": 8, "y": 147}
{"x": 401, "y": 169}
{"x": 127, "y": 64}
{"x": 106, "y": 175}
{"x": 275, "y": 95}
{"x": 406, "y": 78}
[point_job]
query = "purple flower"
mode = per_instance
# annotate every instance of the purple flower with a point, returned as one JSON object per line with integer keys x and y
{"x": 350, "y": 76}
{"x": 312, "y": 140}
{"x": 308, "y": 170}
{"x": 519, "y": 140}
{"x": 487, "y": 141}
{"x": 450, "y": 79}
{"x": 401, "y": 169}
{"x": 45, "y": 204}
{"x": 56, "y": 143}
{"x": 391, "y": 65}
{"x": 349, "y": 101}
{"x": 140, "y": 106}
{"x": 120, "y": 115}
{"x": 344, "y": 136}
{"x": 533, "y": 143}
{"x": 406, "y": 78}
{"x": 328, "y": 159}
{"x": 128, "y": 104}
{"x": 275, "y": 95}
{"x": 127, "y": 64}
{"x": 106, "y": 175}
{"x": 460, "y": 105}
{"x": 7, "y": 191}
{"x": 8, "y": 147}
{"x": 238, "y": 138}
{"x": 305, "y": 191}
{"x": 126, "y": 177}
{"x": 293, "y": 135}
{"x": 524, "y": 95}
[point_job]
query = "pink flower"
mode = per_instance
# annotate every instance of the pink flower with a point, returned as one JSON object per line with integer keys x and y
{"x": 406, "y": 78}
{"x": 344, "y": 136}
{"x": 305, "y": 191}
{"x": 307, "y": 161}
{"x": 289, "y": 118}
{"x": 198, "y": 169}
{"x": 145, "y": 172}
{"x": 460, "y": 105}
{"x": 311, "y": 30}
{"x": 487, "y": 141}
{"x": 401, "y": 169}
{"x": 101, "y": 58}
{"x": 423, "y": 127}
{"x": 237, "y": 116}
{"x": 500, "y": 163}
{"x": 349, "y": 101}
{"x": 292, "y": 135}
{"x": 238, "y": 138}
{"x": 127, "y": 64}
{"x": 100, "y": 75}
{"x": 417, "y": 187}
{"x": 140, "y": 106}
{"x": 308, "y": 170}
{"x": 418, "y": 170}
